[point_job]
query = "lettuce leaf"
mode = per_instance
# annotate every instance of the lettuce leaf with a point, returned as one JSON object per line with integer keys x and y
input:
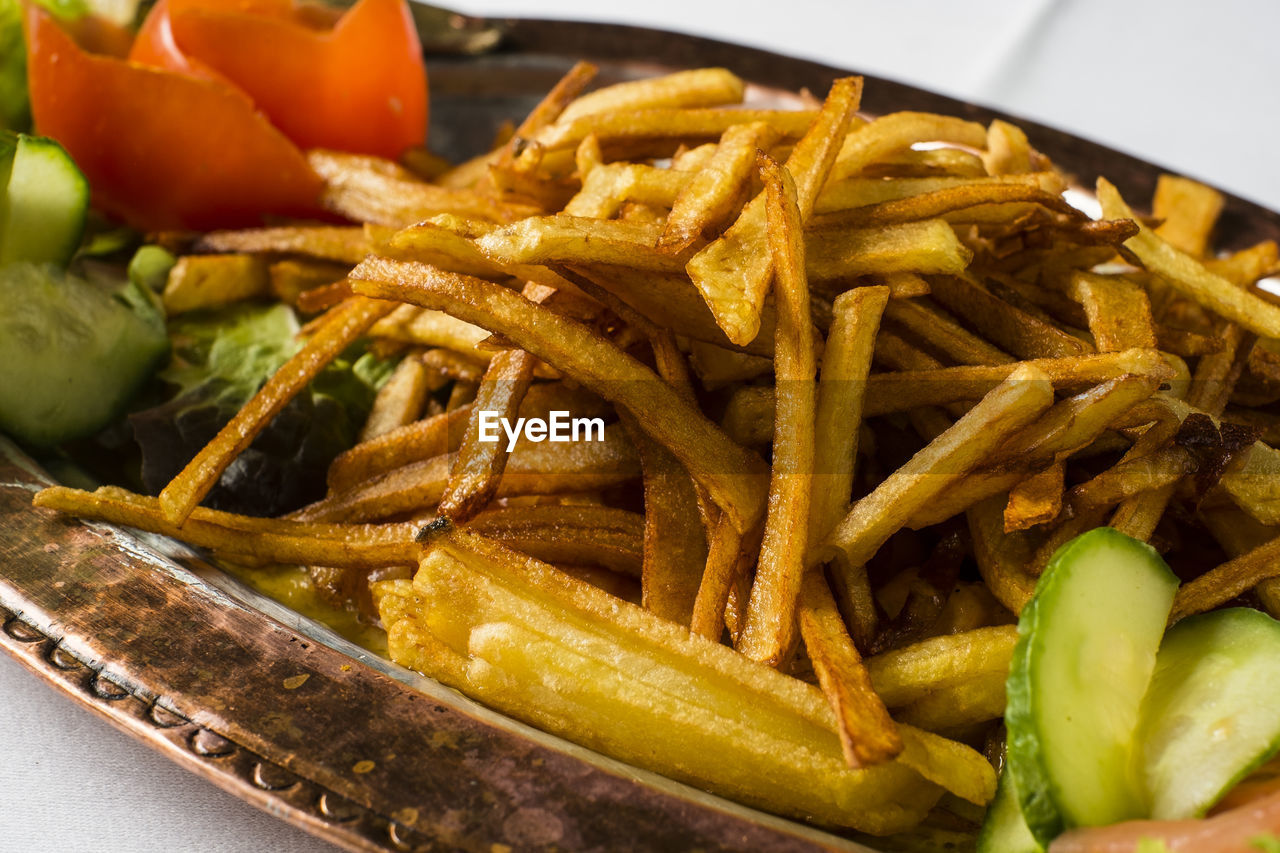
{"x": 221, "y": 359}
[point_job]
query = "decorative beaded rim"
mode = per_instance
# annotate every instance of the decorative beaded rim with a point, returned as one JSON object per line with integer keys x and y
{"x": 231, "y": 766}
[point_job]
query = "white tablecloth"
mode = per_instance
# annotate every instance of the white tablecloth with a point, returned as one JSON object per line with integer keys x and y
{"x": 1188, "y": 85}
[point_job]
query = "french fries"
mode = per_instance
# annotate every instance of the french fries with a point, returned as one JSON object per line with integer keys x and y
{"x": 677, "y": 687}
{"x": 477, "y": 471}
{"x": 769, "y": 631}
{"x": 730, "y": 474}
{"x": 733, "y": 272}
{"x": 211, "y": 281}
{"x": 873, "y": 519}
{"x": 950, "y": 370}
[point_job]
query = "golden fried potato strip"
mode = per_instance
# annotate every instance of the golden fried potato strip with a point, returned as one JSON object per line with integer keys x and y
{"x": 733, "y": 273}
{"x": 769, "y": 633}
{"x": 732, "y": 475}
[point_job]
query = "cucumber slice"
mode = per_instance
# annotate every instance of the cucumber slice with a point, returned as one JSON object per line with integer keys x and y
{"x": 1005, "y": 830}
{"x": 1086, "y": 651}
{"x": 72, "y": 353}
{"x": 1212, "y": 712}
{"x": 44, "y": 202}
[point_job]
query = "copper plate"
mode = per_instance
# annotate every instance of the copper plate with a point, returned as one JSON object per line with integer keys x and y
{"x": 281, "y": 712}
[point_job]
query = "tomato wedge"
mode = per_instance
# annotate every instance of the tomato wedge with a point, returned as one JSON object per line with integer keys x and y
{"x": 355, "y": 85}
{"x": 162, "y": 150}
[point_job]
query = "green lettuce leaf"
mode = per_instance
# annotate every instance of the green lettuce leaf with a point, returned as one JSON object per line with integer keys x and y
{"x": 221, "y": 359}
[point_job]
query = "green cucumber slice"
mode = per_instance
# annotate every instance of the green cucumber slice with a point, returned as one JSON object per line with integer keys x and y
{"x": 1086, "y": 651}
{"x": 72, "y": 352}
{"x": 44, "y": 201}
{"x": 1212, "y": 712}
{"x": 1005, "y": 830}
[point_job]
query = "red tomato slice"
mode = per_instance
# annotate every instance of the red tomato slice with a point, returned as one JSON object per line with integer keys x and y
{"x": 155, "y": 45}
{"x": 358, "y": 85}
{"x": 162, "y": 150}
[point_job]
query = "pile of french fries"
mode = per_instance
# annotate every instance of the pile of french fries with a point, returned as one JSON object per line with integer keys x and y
{"x": 862, "y": 378}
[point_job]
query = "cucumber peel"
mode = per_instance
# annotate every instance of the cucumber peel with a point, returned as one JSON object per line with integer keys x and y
{"x": 72, "y": 353}
{"x": 44, "y": 200}
{"x": 1085, "y": 654}
{"x": 1112, "y": 718}
{"x": 1005, "y": 830}
{"x": 1212, "y": 712}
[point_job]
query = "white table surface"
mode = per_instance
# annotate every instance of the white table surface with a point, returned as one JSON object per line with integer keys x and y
{"x": 1186, "y": 84}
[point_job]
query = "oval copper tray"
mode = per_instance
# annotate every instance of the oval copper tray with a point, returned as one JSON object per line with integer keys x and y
{"x": 277, "y": 709}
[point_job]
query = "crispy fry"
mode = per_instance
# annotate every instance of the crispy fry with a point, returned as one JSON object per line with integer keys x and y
{"x": 532, "y": 469}
{"x": 898, "y": 131}
{"x": 1216, "y": 374}
{"x": 954, "y": 708}
{"x": 578, "y": 240}
{"x": 1134, "y": 477}
{"x": 939, "y": 202}
{"x": 845, "y": 365}
{"x": 710, "y": 198}
{"x": 855, "y": 192}
{"x": 400, "y": 401}
{"x": 211, "y": 281}
{"x": 1016, "y": 402}
{"x": 1189, "y": 277}
{"x": 732, "y": 475}
{"x": 370, "y": 189}
{"x": 903, "y": 285}
{"x": 1008, "y": 152}
{"x": 237, "y": 536}
{"x": 928, "y": 162}
{"x": 1219, "y": 585}
{"x": 944, "y": 333}
{"x": 867, "y": 734}
{"x": 477, "y": 470}
{"x": 1118, "y": 311}
{"x": 324, "y": 297}
{"x": 733, "y": 272}
{"x": 675, "y": 545}
{"x": 582, "y": 535}
{"x": 412, "y": 325}
{"x": 447, "y": 241}
{"x": 553, "y": 107}
{"x": 701, "y": 87}
{"x": 911, "y": 673}
{"x": 1189, "y": 210}
{"x": 442, "y": 433}
{"x": 340, "y": 328}
{"x": 894, "y": 392}
{"x": 929, "y": 246}
{"x": 669, "y": 300}
{"x": 607, "y": 187}
{"x": 769, "y": 633}
{"x": 1035, "y": 500}
{"x": 1249, "y": 265}
{"x": 658, "y": 131}
{"x": 344, "y": 244}
{"x": 724, "y": 557}
{"x": 1008, "y": 326}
